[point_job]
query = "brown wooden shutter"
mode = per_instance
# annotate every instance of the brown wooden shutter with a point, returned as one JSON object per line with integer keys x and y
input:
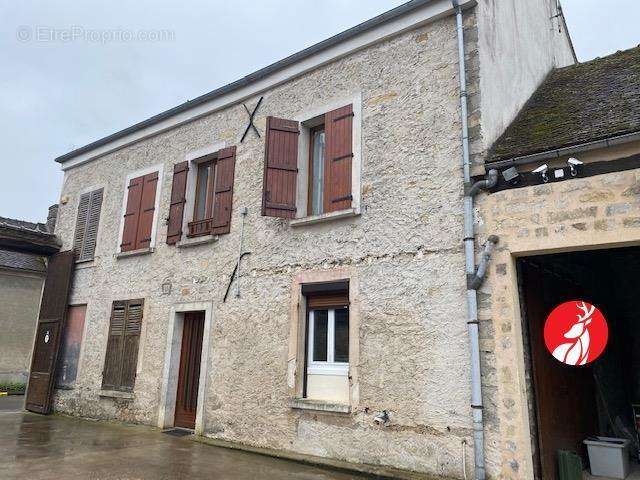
{"x": 131, "y": 341}
{"x": 338, "y": 159}
{"x": 49, "y": 331}
{"x": 132, "y": 214}
{"x": 113, "y": 358}
{"x": 223, "y": 196}
{"x": 147, "y": 210}
{"x": 280, "y": 168}
{"x": 178, "y": 200}
{"x": 121, "y": 359}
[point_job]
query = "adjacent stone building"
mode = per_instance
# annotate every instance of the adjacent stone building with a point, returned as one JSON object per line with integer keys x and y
{"x": 299, "y": 284}
{"x": 567, "y": 212}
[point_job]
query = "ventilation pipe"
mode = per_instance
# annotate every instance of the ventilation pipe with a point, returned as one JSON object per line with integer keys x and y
{"x": 474, "y": 277}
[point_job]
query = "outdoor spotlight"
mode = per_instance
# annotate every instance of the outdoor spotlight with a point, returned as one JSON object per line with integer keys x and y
{"x": 573, "y": 165}
{"x": 542, "y": 170}
{"x": 511, "y": 176}
{"x": 382, "y": 418}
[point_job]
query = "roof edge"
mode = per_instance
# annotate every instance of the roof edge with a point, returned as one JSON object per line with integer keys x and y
{"x": 559, "y": 152}
{"x": 261, "y": 74}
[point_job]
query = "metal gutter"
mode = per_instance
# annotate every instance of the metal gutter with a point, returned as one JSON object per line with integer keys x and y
{"x": 564, "y": 151}
{"x": 261, "y": 74}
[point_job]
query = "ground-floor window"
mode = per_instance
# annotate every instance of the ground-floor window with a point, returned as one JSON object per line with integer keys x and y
{"x": 327, "y": 348}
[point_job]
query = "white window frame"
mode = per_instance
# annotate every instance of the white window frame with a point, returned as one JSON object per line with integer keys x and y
{"x": 330, "y": 367}
{"x": 305, "y": 119}
{"x": 154, "y": 226}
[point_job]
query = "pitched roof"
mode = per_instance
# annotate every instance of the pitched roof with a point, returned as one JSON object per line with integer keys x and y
{"x": 581, "y": 103}
{"x": 23, "y": 225}
{"x": 22, "y": 261}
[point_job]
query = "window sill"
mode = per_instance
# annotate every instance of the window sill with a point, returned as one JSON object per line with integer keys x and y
{"x": 116, "y": 394}
{"x": 325, "y": 217}
{"x": 318, "y": 405}
{"x": 195, "y": 241}
{"x": 135, "y": 253}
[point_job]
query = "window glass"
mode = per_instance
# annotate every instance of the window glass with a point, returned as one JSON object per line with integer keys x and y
{"x": 317, "y": 173}
{"x": 341, "y": 335}
{"x": 320, "y": 328}
{"x": 201, "y": 191}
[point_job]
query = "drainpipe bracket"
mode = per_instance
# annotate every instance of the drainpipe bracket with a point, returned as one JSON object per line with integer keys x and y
{"x": 472, "y": 280}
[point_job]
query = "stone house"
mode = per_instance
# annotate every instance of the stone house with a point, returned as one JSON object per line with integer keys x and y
{"x": 24, "y": 247}
{"x": 566, "y": 209}
{"x": 294, "y": 279}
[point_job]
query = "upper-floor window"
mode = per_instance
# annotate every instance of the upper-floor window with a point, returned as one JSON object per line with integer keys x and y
{"x": 319, "y": 152}
{"x": 203, "y": 187}
{"x": 140, "y": 211}
{"x": 87, "y": 221}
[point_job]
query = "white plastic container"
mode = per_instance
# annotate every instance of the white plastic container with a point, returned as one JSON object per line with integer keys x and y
{"x": 609, "y": 457}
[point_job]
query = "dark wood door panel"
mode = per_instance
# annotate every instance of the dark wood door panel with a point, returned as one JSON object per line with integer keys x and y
{"x": 49, "y": 330}
{"x": 189, "y": 373}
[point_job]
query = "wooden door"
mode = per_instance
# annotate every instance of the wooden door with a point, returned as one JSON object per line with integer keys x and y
{"x": 565, "y": 396}
{"x": 49, "y": 331}
{"x": 189, "y": 373}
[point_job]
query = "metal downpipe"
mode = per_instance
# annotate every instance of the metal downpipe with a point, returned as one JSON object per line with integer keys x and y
{"x": 474, "y": 279}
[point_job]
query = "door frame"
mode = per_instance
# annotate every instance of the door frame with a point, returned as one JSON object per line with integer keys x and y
{"x": 166, "y": 414}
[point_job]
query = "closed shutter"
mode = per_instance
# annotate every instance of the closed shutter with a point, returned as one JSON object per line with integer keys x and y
{"x": 84, "y": 241}
{"x": 113, "y": 357}
{"x": 280, "y": 168}
{"x": 138, "y": 217}
{"x": 223, "y": 196}
{"x": 121, "y": 358}
{"x": 147, "y": 210}
{"x": 132, "y": 214}
{"x": 178, "y": 199}
{"x": 338, "y": 159}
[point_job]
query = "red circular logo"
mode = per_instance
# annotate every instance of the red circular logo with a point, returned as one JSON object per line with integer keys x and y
{"x": 576, "y": 333}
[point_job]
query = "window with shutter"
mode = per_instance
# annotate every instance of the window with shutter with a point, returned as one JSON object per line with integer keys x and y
{"x": 213, "y": 194}
{"x": 121, "y": 358}
{"x": 140, "y": 214}
{"x": 87, "y": 221}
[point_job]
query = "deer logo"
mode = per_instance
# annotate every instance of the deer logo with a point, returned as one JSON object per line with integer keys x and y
{"x": 576, "y": 352}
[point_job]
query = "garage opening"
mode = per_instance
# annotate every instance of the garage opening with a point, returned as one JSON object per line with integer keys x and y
{"x": 571, "y": 404}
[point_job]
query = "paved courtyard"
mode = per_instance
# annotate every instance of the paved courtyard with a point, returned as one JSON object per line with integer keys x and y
{"x": 36, "y": 447}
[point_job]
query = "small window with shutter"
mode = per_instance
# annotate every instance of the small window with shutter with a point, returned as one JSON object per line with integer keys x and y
{"x": 87, "y": 222}
{"x": 140, "y": 211}
{"x": 121, "y": 359}
{"x": 329, "y": 170}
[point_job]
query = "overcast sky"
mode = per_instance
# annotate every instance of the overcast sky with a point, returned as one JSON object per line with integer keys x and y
{"x": 57, "y": 93}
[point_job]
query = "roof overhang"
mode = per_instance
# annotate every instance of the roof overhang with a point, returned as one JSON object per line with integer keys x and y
{"x": 28, "y": 241}
{"x": 568, "y": 150}
{"x": 396, "y": 21}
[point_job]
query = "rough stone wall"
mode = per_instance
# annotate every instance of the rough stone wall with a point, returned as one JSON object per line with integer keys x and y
{"x": 19, "y": 298}
{"x": 593, "y": 212}
{"x": 405, "y": 249}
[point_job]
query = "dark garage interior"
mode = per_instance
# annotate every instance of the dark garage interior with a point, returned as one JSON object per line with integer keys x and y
{"x": 569, "y": 404}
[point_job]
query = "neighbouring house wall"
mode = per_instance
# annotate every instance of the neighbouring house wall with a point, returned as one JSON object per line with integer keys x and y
{"x": 519, "y": 44}
{"x": 403, "y": 255}
{"x": 600, "y": 211}
{"x": 20, "y": 298}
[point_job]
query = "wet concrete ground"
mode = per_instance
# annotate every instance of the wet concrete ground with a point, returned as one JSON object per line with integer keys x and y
{"x": 39, "y": 447}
